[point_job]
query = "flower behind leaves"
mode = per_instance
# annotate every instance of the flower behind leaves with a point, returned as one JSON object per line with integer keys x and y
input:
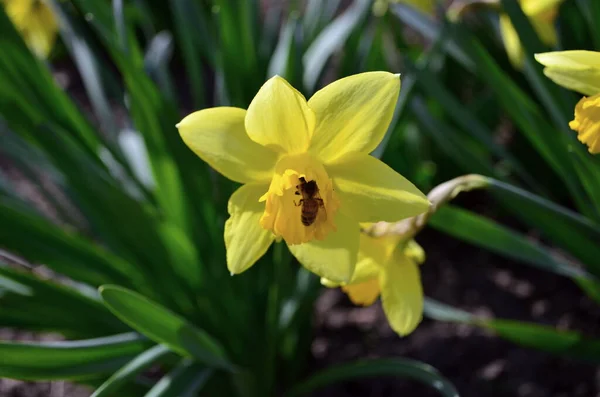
{"x": 542, "y": 15}
{"x": 35, "y": 22}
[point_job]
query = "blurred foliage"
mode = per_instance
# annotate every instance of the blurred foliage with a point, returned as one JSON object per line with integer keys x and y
{"x": 115, "y": 200}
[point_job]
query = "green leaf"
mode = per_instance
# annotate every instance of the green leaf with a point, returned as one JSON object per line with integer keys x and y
{"x": 68, "y": 360}
{"x": 284, "y": 59}
{"x": 429, "y": 28}
{"x": 11, "y": 286}
{"x": 534, "y": 336}
{"x": 442, "y": 312}
{"x": 402, "y": 368}
{"x": 66, "y": 252}
{"x": 48, "y": 298}
{"x": 566, "y": 228}
{"x": 450, "y": 142}
{"x": 588, "y": 170}
{"x": 330, "y": 40}
{"x": 590, "y": 10}
{"x": 87, "y": 66}
{"x": 156, "y": 63}
{"x": 130, "y": 370}
{"x": 544, "y": 338}
{"x": 163, "y": 326}
{"x": 185, "y": 380}
{"x": 466, "y": 119}
{"x": 194, "y": 40}
{"x": 486, "y": 233}
{"x": 548, "y": 93}
{"x": 591, "y": 288}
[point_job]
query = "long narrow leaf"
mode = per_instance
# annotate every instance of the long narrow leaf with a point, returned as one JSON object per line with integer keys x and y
{"x": 68, "y": 360}
{"x": 163, "y": 326}
{"x": 128, "y": 372}
{"x": 402, "y": 368}
{"x": 486, "y": 233}
{"x": 183, "y": 381}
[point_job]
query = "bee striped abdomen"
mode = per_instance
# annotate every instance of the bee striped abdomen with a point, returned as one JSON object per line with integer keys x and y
{"x": 310, "y": 208}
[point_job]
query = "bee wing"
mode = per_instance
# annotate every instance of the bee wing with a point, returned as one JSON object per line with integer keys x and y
{"x": 322, "y": 211}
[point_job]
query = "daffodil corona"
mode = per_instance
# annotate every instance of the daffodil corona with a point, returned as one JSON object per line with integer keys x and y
{"x": 307, "y": 174}
{"x": 35, "y": 22}
{"x": 579, "y": 71}
{"x": 388, "y": 267}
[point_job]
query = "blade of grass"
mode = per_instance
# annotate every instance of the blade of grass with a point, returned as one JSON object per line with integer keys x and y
{"x": 185, "y": 380}
{"x": 193, "y": 36}
{"x": 402, "y": 368}
{"x": 539, "y": 337}
{"x": 156, "y": 62}
{"x": 68, "y": 360}
{"x": 431, "y": 30}
{"x": 486, "y": 233}
{"x": 68, "y": 253}
{"x": 467, "y": 120}
{"x": 330, "y": 40}
{"x": 455, "y": 146}
{"x": 565, "y": 228}
{"x": 163, "y": 326}
{"x": 73, "y": 301}
{"x": 130, "y": 370}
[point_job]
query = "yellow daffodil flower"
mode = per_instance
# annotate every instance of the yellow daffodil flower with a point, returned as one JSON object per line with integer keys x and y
{"x": 281, "y": 145}
{"x": 426, "y": 6}
{"x": 541, "y": 14}
{"x": 35, "y": 22}
{"x": 388, "y": 267}
{"x": 578, "y": 71}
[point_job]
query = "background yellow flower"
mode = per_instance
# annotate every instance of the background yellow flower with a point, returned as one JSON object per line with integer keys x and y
{"x": 36, "y": 23}
{"x": 541, "y": 14}
{"x": 578, "y": 71}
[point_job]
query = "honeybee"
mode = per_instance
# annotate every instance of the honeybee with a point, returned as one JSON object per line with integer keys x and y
{"x": 310, "y": 201}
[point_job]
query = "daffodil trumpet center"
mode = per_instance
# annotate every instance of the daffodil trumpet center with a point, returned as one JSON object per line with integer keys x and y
{"x": 300, "y": 204}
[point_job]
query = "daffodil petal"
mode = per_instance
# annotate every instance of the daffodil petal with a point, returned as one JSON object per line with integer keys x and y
{"x": 402, "y": 294}
{"x": 414, "y": 251}
{"x": 363, "y": 294}
{"x": 511, "y": 40}
{"x": 36, "y": 23}
{"x": 575, "y": 70}
{"x": 217, "y": 136}
{"x": 334, "y": 257}
{"x": 370, "y": 191}
{"x": 18, "y": 11}
{"x": 353, "y": 114}
{"x": 279, "y": 117}
{"x": 373, "y": 254}
{"x": 41, "y": 30}
{"x": 245, "y": 240}
{"x": 535, "y": 7}
{"x": 546, "y": 30}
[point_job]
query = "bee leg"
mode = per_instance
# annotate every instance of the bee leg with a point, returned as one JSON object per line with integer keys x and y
{"x": 299, "y": 204}
{"x": 321, "y": 203}
{"x": 297, "y": 193}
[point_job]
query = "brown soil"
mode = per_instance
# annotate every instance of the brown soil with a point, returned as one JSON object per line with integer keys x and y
{"x": 476, "y": 362}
